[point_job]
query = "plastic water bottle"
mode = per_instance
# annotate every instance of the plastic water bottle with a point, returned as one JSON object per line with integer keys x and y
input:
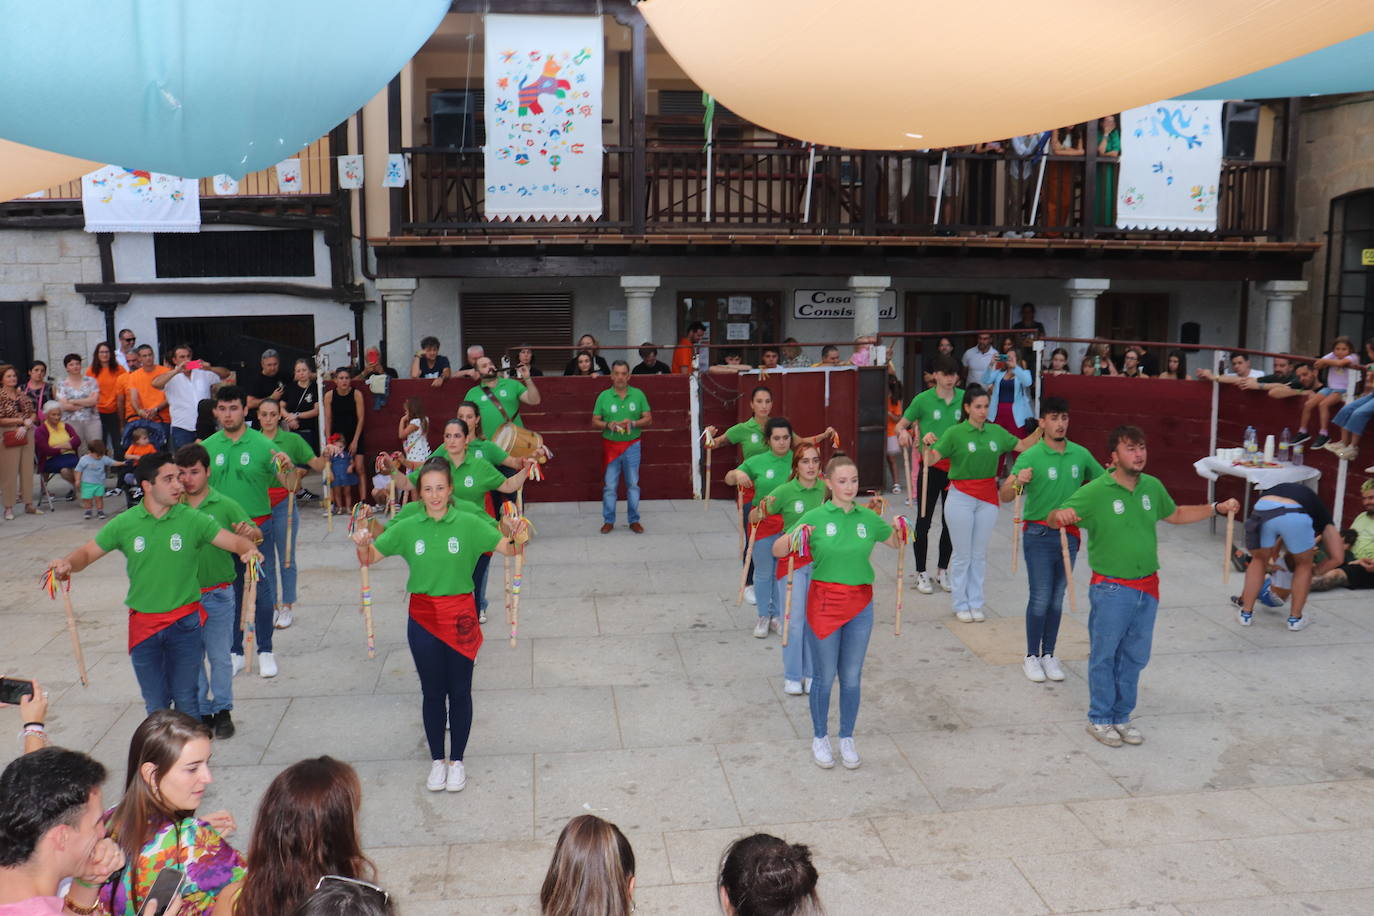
{"x": 1251, "y": 443}
{"x": 1297, "y": 454}
{"x": 1284, "y": 445}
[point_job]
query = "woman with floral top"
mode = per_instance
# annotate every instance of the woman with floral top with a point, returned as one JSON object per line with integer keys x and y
{"x": 78, "y": 395}
{"x": 18, "y": 416}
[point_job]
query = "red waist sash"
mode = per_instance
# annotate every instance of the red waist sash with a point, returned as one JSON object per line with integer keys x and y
{"x": 143, "y": 624}
{"x": 1073, "y": 530}
{"x": 984, "y": 488}
{"x": 611, "y": 450}
{"x": 830, "y": 605}
{"x": 451, "y": 619}
{"x": 771, "y": 525}
{"x": 1147, "y": 584}
{"x": 802, "y": 560}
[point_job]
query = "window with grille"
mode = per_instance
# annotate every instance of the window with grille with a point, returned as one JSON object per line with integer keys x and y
{"x": 1350, "y": 251}
{"x": 265, "y": 253}
{"x": 681, "y": 115}
{"x": 501, "y": 322}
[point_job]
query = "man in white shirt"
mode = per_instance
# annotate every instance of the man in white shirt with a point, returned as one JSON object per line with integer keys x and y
{"x": 127, "y": 340}
{"x": 977, "y": 359}
{"x": 1240, "y": 369}
{"x": 186, "y": 384}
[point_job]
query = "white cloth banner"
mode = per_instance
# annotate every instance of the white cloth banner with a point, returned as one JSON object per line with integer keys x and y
{"x": 1170, "y": 166}
{"x": 396, "y": 171}
{"x": 350, "y": 172}
{"x": 543, "y": 117}
{"x": 116, "y": 199}
{"x": 225, "y": 185}
{"x": 289, "y": 176}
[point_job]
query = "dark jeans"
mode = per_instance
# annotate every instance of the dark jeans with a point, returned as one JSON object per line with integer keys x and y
{"x": 1046, "y": 584}
{"x": 479, "y": 582}
{"x": 938, "y": 482}
{"x": 744, "y": 514}
{"x": 112, "y": 430}
{"x": 266, "y": 597}
{"x": 182, "y": 437}
{"x": 167, "y": 665}
{"x": 445, "y": 689}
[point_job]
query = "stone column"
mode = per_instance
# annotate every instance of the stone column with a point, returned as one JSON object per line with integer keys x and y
{"x": 1083, "y": 293}
{"x": 397, "y": 294}
{"x": 639, "y": 313}
{"x": 1278, "y": 313}
{"x": 866, "y": 291}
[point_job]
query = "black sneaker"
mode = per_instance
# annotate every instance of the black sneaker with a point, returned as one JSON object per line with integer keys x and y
{"x": 305, "y": 496}
{"x": 224, "y": 725}
{"x": 1239, "y": 559}
{"x": 1322, "y": 439}
{"x": 208, "y": 720}
{"x": 1300, "y": 438}
{"x": 70, "y": 497}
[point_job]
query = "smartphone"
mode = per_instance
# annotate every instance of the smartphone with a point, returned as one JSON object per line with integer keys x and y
{"x": 195, "y": 364}
{"x": 12, "y": 690}
{"x": 166, "y": 888}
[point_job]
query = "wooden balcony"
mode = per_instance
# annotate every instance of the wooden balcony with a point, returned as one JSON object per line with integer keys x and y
{"x": 777, "y": 187}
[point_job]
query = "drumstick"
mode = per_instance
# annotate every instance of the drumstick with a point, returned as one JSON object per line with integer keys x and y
{"x": 748, "y": 558}
{"x": 787, "y": 604}
{"x": 1068, "y": 568}
{"x": 1015, "y": 521}
{"x": 910, "y": 481}
{"x": 1230, "y": 537}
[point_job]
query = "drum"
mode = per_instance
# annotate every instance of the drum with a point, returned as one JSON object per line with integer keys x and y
{"x": 519, "y": 442}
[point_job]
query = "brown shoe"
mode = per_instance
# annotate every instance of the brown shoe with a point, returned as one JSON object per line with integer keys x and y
{"x": 636, "y": 527}
{"x": 607, "y": 528}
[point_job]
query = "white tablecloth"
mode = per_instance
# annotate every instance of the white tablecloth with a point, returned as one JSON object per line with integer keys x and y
{"x": 1211, "y": 468}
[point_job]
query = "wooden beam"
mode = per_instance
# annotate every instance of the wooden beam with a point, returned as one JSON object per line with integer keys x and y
{"x": 98, "y": 292}
{"x": 1288, "y": 221}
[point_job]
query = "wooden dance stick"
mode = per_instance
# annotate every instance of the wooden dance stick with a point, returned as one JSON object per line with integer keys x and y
{"x": 901, "y": 582}
{"x": 1230, "y": 541}
{"x": 1015, "y": 525}
{"x": 748, "y": 558}
{"x": 706, "y": 484}
{"x": 739, "y": 519}
{"x": 925, "y": 484}
{"x": 910, "y": 481}
{"x": 367, "y": 613}
{"x": 76, "y": 640}
{"x": 246, "y": 623}
{"x": 787, "y": 604}
{"x": 510, "y": 618}
{"x": 391, "y": 496}
{"x": 328, "y": 478}
{"x": 290, "y": 513}
{"x": 1068, "y": 568}
{"x": 515, "y": 596}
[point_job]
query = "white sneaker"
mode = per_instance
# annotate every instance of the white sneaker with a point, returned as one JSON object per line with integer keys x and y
{"x": 821, "y": 753}
{"x": 749, "y": 595}
{"x": 1033, "y": 670}
{"x": 281, "y": 618}
{"x": 942, "y": 577}
{"x": 896, "y": 488}
{"x": 923, "y": 584}
{"x": 775, "y": 625}
{"x": 965, "y": 616}
{"x": 1129, "y": 733}
{"x": 792, "y": 688}
{"x": 236, "y": 663}
{"x": 849, "y": 755}
{"x": 267, "y": 665}
{"x": 457, "y": 777}
{"x": 978, "y": 615}
{"x": 1297, "y": 623}
{"x": 1107, "y": 734}
{"x": 482, "y": 617}
{"x": 806, "y": 684}
{"x": 1050, "y": 665}
{"x": 761, "y": 628}
{"x": 438, "y": 776}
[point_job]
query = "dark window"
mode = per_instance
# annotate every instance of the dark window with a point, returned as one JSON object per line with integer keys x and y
{"x": 502, "y": 321}
{"x": 1350, "y": 261}
{"x": 456, "y": 118}
{"x": 681, "y": 116}
{"x": 16, "y": 336}
{"x": 267, "y": 253}
{"x": 237, "y": 343}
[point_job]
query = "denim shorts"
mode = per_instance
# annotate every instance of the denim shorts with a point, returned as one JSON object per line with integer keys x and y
{"x": 1294, "y": 527}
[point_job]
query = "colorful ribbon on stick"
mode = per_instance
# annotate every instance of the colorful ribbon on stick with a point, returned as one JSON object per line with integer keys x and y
{"x": 49, "y": 583}
{"x": 903, "y": 527}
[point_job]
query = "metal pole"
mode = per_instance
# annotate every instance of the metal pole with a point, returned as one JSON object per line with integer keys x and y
{"x": 810, "y": 175}
{"x": 1039, "y": 181}
{"x": 1212, "y": 449}
{"x": 1338, "y": 510}
{"x": 710, "y": 177}
{"x": 940, "y": 185}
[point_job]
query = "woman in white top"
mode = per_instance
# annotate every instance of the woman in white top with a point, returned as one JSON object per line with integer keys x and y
{"x": 77, "y": 395}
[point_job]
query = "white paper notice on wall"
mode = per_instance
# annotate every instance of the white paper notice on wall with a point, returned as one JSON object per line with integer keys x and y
{"x": 350, "y": 172}
{"x": 289, "y": 176}
{"x": 225, "y": 185}
{"x": 617, "y": 319}
{"x": 737, "y": 330}
{"x": 741, "y": 305}
{"x": 396, "y": 171}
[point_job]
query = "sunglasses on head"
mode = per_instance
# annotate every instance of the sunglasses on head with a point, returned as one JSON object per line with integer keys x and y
{"x": 386, "y": 898}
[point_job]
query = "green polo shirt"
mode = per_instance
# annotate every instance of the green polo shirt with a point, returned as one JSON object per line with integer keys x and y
{"x": 1054, "y": 477}
{"x": 243, "y": 470}
{"x": 487, "y": 451}
{"x": 161, "y": 555}
{"x": 613, "y": 408}
{"x": 933, "y": 415}
{"x": 841, "y": 542}
{"x": 217, "y": 566}
{"x": 767, "y": 471}
{"x": 441, "y": 553}
{"x": 292, "y": 444}
{"x": 507, "y": 391}
{"x": 793, "y": 501}
{"x": 749, "y": 437}
{"x": 1122, "y": 542}
{"x": 472, "y": 479}
{"x": 973, "y": 452}
{"x": 417, "y": 507}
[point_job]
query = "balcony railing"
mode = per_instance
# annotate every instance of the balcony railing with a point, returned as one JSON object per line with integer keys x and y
{"x": 763, "y": 187}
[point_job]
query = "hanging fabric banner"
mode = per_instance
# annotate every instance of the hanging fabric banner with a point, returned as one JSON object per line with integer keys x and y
{"x": 225, "y": 185}
{"x": 543, "y": 116}
{"x": 1170, "y": 166}
{"x": 116, "y": 199}
{"x": 350, "y": 172}
{"x": 289, "y": 176}
{"x": 396, "y": 171}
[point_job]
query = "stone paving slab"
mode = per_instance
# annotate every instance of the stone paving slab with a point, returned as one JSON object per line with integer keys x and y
{"x": 636, "y": 692}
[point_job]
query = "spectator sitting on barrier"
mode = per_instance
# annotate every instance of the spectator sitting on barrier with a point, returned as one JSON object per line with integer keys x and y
{"x": 524, "y": 360}
{"x": 830, "y": 356}
{"x": 1283, "y": 373}
{"x": 428, "y": 363}
{"x": 734, "y": 363}
{"x": 1086, "y": 367}
{"x": 792, "y": 356}
{"x": 469, "y": 368}
{"x": 1059, "y": 362}
{"x": 1101, "y": 355}
{"x": 1175, "y": 366}
{"x": 1304, "y": 380}
{"x": 1341, "y": 366}
{"x": 1240, "y": 370}
{"x": 1352, "y": 419}
{"x": 584, "y": 365}
{"x": 588, "y": 344}
{"x": 863, "y": 350}
{"x": 770, "y": 358}
{"x": 1130, "y": 364}
{"x": 649, "y": 363}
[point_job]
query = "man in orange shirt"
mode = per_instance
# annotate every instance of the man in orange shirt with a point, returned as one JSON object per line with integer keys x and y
{"x": 124, "y": 405}
{"x": 149, "y": 403}
{"x": 684, "y": 354}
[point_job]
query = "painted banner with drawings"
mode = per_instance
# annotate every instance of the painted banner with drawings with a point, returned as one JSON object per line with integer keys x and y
{"x": 1170, "y": 166}
{"x": 543, "y": 116}
{"x": 116, "y": 199}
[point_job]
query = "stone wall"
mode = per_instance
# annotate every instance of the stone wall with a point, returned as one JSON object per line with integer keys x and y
{"x": 1335, "y": 156}
{"x": 41, "y": 265}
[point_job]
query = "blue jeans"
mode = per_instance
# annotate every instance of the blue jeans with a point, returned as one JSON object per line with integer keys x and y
{"x": 479, "y": 581}
{"x": 626, "y": 463}
{"x": 266, "y": 597}
{"x": 284, "y": 574}
{"x": 217, "y": 636}
{"x": 765, "y": 564}
{"x": 1353, "y": 417}
{"x": 970, "y": 524}
{"x": 841, "y": 653}
{"x": 166, "y": 664}
{"x": 1120, "y": 629}
{"x": 1046, "y": 581}
{"x": 796, "y": 655}
{"x": 182, "y": 437}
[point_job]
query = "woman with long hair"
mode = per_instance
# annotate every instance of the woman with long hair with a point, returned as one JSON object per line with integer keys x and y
{"x": 589, "y": 345}
{"x": 155, "y": 823}
{"x": 39, "y": 387}
{"x": 802, "y": 492}
{"x": 762, "y": 875}
{"x": 763, "y": 473}
{"x": 106, "y": 371}
{"x": 1059, "y": 362}
{"x": 442, "y": 548}
{"x": 344, "y": 417}
{"x": 300, "y": 406}
{"x": 592, "y": 872}
{"x": 18, "y": 417}
{"x": 583, "y": 364}
{"x": 306, "y": 828}
{"x": 77, "y": 395}
{"x": 974, "y": 448}
{"x": 839, "y": 603}
{"x": 1175, "y": 366}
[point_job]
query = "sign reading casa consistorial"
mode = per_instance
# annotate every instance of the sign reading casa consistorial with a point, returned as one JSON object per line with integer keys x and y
{"x": 838, "y": 303}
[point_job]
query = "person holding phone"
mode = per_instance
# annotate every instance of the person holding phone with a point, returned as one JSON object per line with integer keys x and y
{"x": 186, "y": 384}
{"x": 442, "y": 549}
